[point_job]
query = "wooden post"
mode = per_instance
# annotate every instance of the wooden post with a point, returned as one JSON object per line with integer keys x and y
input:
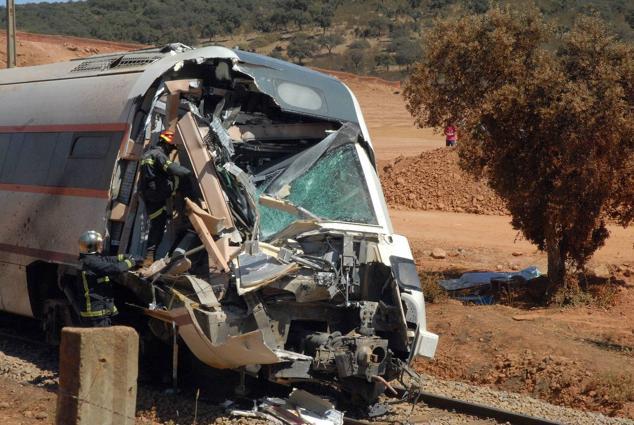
{"x": 11, "y": 54}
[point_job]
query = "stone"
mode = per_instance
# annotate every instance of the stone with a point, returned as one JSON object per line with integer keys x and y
{"x": 438, "y": 253}
{"x": 517, "y": 254}
{"x": 98, "y": 376}
{"x": 4, "y": 405}
{"x": 41, "y": 416}
{"x": 499, "y": 267}
{"x": 601, "y": 271}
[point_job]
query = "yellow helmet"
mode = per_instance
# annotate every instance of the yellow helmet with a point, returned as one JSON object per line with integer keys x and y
{"x": 90, "y": 242}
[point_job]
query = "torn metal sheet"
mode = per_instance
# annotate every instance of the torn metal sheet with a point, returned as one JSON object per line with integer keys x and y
{"x": 476, "y": 279}
{"x": 191, "y": 136}
{"x": 216, "y": 258}
{"x": 259, "y": 269}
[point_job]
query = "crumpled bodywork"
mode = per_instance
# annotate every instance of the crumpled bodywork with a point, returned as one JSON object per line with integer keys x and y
{"x": 301, "y": 277}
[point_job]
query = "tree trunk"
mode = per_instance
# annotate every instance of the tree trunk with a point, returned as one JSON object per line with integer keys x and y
{"x": 556, "y": 257}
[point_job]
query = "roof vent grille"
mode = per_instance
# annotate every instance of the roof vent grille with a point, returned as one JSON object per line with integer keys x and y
{"x": 94, "y": 65}
{"x": 104, "y": 64}
{"x": 135, "y": 60}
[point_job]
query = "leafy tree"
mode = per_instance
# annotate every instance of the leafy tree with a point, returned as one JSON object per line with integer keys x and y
{"x": 330, "y": 41}
{"x": 356, "y": 57}
{"x": 323, "y": 16}
{"x": 384, "y": 59}
{"x": 378, "y": 26}
{"x": 406, "y": 51}
{"x": 210, "y": 30}
{"x": 551, "y": 131}
{"x": 360, "y": 44}
{"x": 301, "y": 47}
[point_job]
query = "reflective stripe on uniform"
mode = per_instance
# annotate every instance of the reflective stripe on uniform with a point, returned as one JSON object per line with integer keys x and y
{"x": 157, "y": 213}
{"x": 120, "y": 257}
{"x": 104, "y": 279}
{"x": 128, "y": 263}
{"x": 147, "y": 161}
{"x": 86, "y": 291}
{"x": 99, "y": 313}
{"x": 167, "y": 164}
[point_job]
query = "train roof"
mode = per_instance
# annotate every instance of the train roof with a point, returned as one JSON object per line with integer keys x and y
{"x": 125, "y": 76}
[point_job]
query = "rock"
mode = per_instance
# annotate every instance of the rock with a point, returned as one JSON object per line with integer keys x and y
{"x": 4, "y": 405}
{"x": 499, "y": 267}
{"x": 438, "y": 253}
{"x": 41, "y": 416}
{"x": 601, "y": 271}
{"x": 27, "y": 414}
{"x": 517, "y": 254}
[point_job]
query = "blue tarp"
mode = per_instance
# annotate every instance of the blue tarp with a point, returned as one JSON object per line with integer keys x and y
{"x": 477, "y": 279}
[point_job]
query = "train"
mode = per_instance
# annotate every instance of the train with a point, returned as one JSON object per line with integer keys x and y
{"x": 293, "y": 271}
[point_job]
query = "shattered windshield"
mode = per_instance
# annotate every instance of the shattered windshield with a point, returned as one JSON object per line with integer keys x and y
{"x": 334, "y": 188}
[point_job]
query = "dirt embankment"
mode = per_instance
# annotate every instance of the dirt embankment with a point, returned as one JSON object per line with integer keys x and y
{"x": 38, "y": 49}
{"x": 434, "y": 181}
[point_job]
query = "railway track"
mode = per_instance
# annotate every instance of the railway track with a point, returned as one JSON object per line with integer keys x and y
{"x": 14, "y": 329}
{"x": 471, "y": 408}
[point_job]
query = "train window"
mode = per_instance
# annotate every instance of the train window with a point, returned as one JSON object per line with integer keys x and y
{"x": 5, "y": 141}
{"x": 90, "y": 147}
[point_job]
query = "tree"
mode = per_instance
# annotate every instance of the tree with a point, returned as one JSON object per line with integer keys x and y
{"x": 552, "y": 132}
{"x": 301, "y": 47}
{"x": 330, "y": 41}
{"x": 210, "y": 30}
{"x": 323, "y": 16}
{"x": 378, "y": 26}
{"x": 406, "y": 51}
{"x": 360, "y": 44}
{"x": 356, "y": 57}
{"x": 384, "y": 59}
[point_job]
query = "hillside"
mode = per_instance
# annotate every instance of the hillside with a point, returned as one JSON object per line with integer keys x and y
{"x": 377, "y": 37}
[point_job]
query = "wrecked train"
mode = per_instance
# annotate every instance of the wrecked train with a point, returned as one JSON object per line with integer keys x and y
{"x": 292, "y": 271}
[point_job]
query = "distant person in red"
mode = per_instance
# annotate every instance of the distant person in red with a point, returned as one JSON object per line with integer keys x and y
{"x": 451, "y": 135}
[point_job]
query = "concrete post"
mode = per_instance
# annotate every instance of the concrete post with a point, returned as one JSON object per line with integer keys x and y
{"x": 98, "y": 376}
{"x": 11, "y": 53}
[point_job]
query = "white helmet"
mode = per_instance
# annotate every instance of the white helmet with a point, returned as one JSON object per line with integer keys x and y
{"x": 90, "y": 242}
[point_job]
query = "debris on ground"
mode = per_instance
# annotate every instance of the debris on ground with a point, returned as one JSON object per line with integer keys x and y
{"x": 301, "y": 407}
{"x": 486, "y": 287}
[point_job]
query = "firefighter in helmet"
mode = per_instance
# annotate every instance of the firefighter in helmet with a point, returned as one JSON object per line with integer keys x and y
{"x": 95, "y": 298}
{"x": 159, "y": 180}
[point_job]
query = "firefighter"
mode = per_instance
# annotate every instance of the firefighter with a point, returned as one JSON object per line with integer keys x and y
{"x": 159, "y": 180}
{"x": 95, "y": 297}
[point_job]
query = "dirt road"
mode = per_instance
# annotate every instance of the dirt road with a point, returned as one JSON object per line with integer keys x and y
{"x": 492, "y": 237}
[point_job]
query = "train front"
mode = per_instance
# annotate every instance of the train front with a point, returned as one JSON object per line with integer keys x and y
{"x": 302, "y": 278}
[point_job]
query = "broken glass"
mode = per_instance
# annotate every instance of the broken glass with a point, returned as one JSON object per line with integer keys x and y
{"x": 333, "y": 188}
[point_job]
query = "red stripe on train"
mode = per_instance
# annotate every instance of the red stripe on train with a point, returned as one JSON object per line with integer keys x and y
{"x": 54, "y": 190}
{"x": 58, "y": 257}
{"x": 64, "y": 128}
